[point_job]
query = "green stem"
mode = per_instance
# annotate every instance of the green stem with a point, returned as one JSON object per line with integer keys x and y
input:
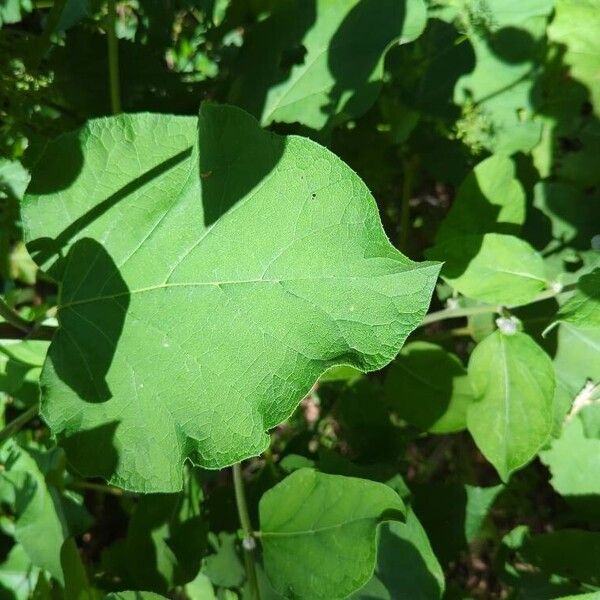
{"x": 41, "y": 332}
{"x": 13, "y": 319}
{"x": 45, "y": 40}
{"x": 407, "y": 183}
{"x": 96, "y": 487}
{"x": 454, "y": 313}
{"x": 113, "y": 59}
{"x": 249, "y": 540}
{"x": 15, "y": 425}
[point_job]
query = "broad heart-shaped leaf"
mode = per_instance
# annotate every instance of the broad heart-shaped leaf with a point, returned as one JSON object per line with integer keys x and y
{"x": 576, "y": 25}
{"x": 512, "y": 416}
{"x": 318, "y": 532}
{"x": 495, "y": 268}
{"x": 312, "y": 60}
{"x": 205, "y": 288}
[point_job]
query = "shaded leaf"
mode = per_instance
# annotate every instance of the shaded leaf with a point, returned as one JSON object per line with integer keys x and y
{"x": 436, "y": 404}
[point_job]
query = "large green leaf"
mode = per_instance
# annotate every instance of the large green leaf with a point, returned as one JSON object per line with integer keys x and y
{"x": 318, "y": 532}
{"x": 512, "y": 416}
{"x": 312, "y": 60}
{"x": 576, "y": 25}
{"x": 199, "y": 303}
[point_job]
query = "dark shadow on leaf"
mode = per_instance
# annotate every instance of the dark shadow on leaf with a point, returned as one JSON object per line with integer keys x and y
{"x": 94, "y": 303}
{"x": 43, "y": 249}
{"x": 401, "y": 568}
{"x": 413, "y": 394}
{"x": 513, "y": 45}
{"x": 235, "y": 157}
{"x": 97, "y": 442}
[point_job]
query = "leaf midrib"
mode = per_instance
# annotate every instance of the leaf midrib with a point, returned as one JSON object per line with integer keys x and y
{"x": 264, "y": 534}
{"x": 229, "y": 282}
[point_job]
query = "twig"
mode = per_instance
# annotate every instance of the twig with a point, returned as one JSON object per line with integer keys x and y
{"x": 249, "y": 541}
{"x": 113, "y": 59}
{"x": 17, "y": 424}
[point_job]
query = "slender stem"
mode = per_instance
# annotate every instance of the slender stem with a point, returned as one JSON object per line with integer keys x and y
{"x": 42, "y": 332}
{"x": 16, "y": 424}
{"x": 407, "y": 184}
{"x": 45, "y": 40}
{"x": 113, "y": 59}
{"x": 13, "y": 319}
{"x": 249, "y": 540}
{"x": 454, "y": 313}
{"x": 96, "y": 487}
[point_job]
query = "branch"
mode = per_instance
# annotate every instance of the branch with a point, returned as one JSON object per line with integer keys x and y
{"x": 455, "y": 313}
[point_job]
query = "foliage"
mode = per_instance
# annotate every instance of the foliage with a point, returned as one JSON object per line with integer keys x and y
{"x": 200, "y": 205}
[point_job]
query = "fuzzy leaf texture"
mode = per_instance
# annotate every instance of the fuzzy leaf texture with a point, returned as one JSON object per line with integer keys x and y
{"x": 324, "y": 525}
{"x": 208, "y": 277}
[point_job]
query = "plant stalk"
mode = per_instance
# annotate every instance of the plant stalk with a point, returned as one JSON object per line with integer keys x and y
{"x": 16, "y": 424}
{"x": 454, "y": 313}
{"x": 13, "y": 319}
{"x": 113, "y": 59}
{"x": 249, "y": 541}
{"x": 407, "y": 184}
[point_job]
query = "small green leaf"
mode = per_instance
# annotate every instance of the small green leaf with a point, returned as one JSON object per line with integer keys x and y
{"x": 318, "y": 532}
{"x": 18, "y": 575}
{"x": 224, "y": 568}
{"x": 512, "y": 416}
{"x": 575, "y": 364}
{"x": 41, "y": 525}
{"x": 583, "y": 308}
{"x": 490, "y": 199}
{"x": 572, "y": 553}
{"x": 574, "y": 462}
{"x": 494, "y": 268}
{"x": 244, "y": 266}
{"x": 436, "y": 404}
{"x": 575, "y": 25}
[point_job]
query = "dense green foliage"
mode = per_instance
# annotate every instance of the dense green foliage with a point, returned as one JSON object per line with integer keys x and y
{"x": 201, "y": 203}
